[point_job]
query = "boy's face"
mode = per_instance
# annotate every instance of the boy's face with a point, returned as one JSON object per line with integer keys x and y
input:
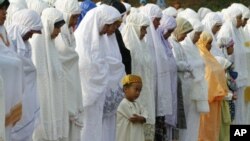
{"x": 132, "y": 92}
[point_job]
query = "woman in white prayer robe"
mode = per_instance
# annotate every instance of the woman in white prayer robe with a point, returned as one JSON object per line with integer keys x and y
{"x": 24, "y": 24}
{"x": 195, "y": 92}
{"x": 11, "y": 71}
{"x": 95, "y": 72}
{"x": 230, "y": 28}
{"x": 65, "y": 44}
{"x": 54, "y": 117}
{"x": 142, "y": 63}
{"x": 212, "y": 23}
{"x": 162, "y": 97}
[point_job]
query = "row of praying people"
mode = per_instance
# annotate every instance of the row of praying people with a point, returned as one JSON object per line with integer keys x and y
{"x": 64, "y": 65}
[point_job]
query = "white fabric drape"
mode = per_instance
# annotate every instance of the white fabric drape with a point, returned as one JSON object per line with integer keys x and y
{"x": 37, "y": 5}
{"x": 54, "y": 118}
{"x": 66, "y": 44}
{"x": 94, "y": 68}
{"x": 22, "y": 22}
{"x": 2, "y": 110}
{"x": 141, "y": 60}
{"x": 170, "y": 11}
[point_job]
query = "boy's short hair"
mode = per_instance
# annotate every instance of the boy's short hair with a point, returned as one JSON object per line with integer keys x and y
{"x": 129, "y": 79}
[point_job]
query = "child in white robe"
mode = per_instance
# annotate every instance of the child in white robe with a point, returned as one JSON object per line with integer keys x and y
{"x": 130, "y": 114}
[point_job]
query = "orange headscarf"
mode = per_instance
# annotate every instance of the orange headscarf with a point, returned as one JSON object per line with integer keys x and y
{"x": 215, "y": 74}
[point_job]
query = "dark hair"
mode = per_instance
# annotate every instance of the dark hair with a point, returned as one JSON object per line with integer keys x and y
{"x": 59, "y": 24}
{"x": 119, "y": 6}
{"x": 5, "y": 4}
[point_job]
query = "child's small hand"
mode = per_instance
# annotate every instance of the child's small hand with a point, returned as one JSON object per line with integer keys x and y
{"x": 137, "y": 119}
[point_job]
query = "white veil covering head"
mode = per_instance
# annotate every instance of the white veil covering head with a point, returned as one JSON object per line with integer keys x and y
{"x": 203, "y": 11}
{"x": 170, "y": 11}
{"x": 224, "y": 43}
{"x": 210, "y": 20}
{"x": 68, "y": 8}
{"x": 188, "y": 13}
{"x": 37, "y": 5}
{"x": 65, "y": 45}
{"x": 94, "y": 70}
{"x": 15, "y": 5}
{"x": 161, "y": 67}
{"x": 229, "y": 30}
{"x": 244, "y": 10}
{"x": 141, "y": 60}
{"x": 167, "y": 23}
{"x": 23, "y": 21}
{"x": 198, "y": 86}
{"x": 54, "y": 116}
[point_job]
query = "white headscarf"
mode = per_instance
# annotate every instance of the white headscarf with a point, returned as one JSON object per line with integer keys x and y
{"x": 50, "y": 2}
{"x": 170, "y": 11}
{"x": 188, "y": 13}
{"x": 22, "y": 22}
{"x": 229, "y": 30}
{"x": 65, "y": 45}
{"x": 50, "y": 79}
{"x": 68, "y": 8}
{"x": 160, "y": 60}
{"x": 37, "y": 5}
{"x": 210, "y": 20}
{"x": 203, "y": 11}
{"x": 141, "y": 59}
{"x": 197, "y": 87}
{"x": 94, "y": 70}
{"x": 244, "y": 10}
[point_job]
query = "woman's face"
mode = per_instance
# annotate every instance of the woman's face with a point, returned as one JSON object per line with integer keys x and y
{"x": 216, "y": 28}
{"x": 244, "y": 22}
{"x": 3, "y": 12}
{"x": 55, "y": 32}
{"x": 196, "y": 36}
{"x": 167, "y": 34}
{"x": 239, "y": 21}
{"x": 29, "y": 34}
{"x": 156, "y": 22}
{"x": 143, "y": 32}
{"x": 73, "y": 20}
{"x": 182, "y": 36}
{"x": 209, "y": 44}
{"x": 230, "y": 50}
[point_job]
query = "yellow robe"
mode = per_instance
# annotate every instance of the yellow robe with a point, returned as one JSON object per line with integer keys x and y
{"x": 217, "y": 89}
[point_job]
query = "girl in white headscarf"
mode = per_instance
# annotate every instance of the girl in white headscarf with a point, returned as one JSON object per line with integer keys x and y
{"x": 212, "y": 23}
{"x": 133, "y": 34}
{"x": 24, "y": 24}
{"x": 233, "y": 17}
{"x": 54, "y": 117}
{"x": 166, "y": 122}
{"x": 65, "y": 44}
{"x": 94, "y": 66}
{"x": 161, "y": 72}
{"x": 195, "y": 91}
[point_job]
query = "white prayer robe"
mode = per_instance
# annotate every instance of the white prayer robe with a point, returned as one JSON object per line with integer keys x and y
{"x": 2, "y": 111}
{"x": 11, "y": 70}
{"x": 65, "y": 44}
{"x": 22, "y": 22}
{"x": 195, "y": 92}
{"x": 95, "y": 69}
{"x": 54, "y": 117}
{"x": 125, "y": 129}
{"x": 239, "y": 59}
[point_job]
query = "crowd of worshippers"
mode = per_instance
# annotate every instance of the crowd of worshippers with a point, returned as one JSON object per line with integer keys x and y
{"x": 107, "y": 71}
